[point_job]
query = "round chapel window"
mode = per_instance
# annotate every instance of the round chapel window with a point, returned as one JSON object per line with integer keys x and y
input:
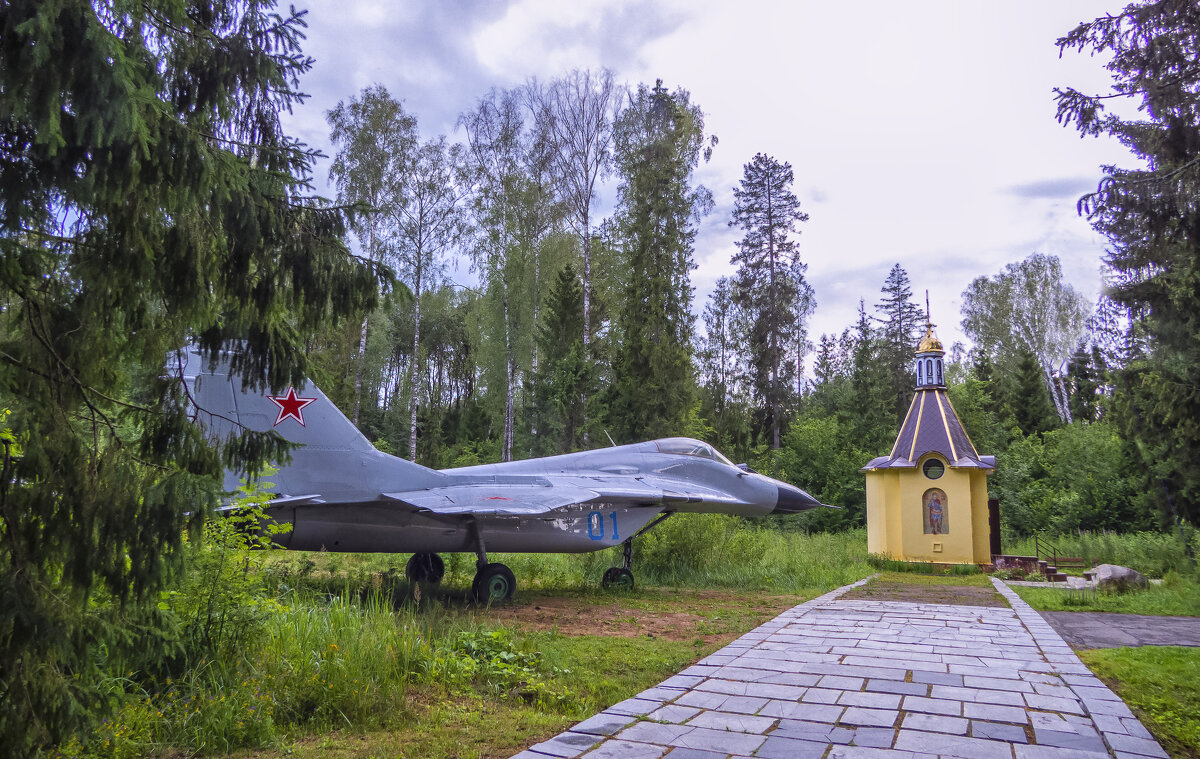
{"x": 933, "y": 469}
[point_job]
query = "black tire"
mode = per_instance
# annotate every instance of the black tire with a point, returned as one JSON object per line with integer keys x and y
{"x": 494, "y": 584}
{"x": 617, "y": 578}
{"x": 425, "y": 567}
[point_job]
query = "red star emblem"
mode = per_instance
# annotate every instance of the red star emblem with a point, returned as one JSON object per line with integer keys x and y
{"x": 290, "y": 405}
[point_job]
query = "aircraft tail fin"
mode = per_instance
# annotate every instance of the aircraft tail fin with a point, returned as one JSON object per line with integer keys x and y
{"x": 335, "y": 461}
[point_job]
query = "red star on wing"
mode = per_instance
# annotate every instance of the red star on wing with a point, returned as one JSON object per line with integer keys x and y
{"x": 290, "y": 405}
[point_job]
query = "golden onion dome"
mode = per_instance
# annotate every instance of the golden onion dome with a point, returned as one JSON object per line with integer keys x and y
{"x": 930, "y": 342}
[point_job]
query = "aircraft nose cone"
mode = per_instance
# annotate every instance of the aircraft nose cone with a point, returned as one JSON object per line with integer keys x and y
{"x": 793, "y": 500}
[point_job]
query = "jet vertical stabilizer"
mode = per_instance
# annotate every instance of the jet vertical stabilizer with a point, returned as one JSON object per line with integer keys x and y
{"x": 335, "y": 460}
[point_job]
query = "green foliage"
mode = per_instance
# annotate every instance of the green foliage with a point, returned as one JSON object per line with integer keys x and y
{"x": 1154, "y": 554}
{"x": 1078, "y": 477}
{"x": 1151, "y": 223}
{"x": 900, "y": 330}
{"x": 150, "y": 197}
{"x": 822, "y": 455}
{"x": 1162, "y": 686}
{"x": 658, "y": 142}
{"x": 1177, "y": 596}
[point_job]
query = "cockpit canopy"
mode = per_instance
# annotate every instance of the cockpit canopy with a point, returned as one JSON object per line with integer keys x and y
{"x": 686, "y": 446}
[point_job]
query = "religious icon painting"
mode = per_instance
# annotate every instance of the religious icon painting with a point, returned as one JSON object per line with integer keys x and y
{"x": 935, "y": 510}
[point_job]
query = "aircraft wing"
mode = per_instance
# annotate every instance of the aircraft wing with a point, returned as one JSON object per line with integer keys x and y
{"x": 493, "y": 499}
{"x": 533, "y": 499}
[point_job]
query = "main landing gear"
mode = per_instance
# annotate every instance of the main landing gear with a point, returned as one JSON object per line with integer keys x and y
{"x": 425, "y": 567}
{"x": 494, "y": 583}
{"x": 621, "y": 578}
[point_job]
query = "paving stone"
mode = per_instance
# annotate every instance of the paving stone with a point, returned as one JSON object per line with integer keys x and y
{"x": 813, "y": 731}
{"x": 1054, "y": 752}
{"x": 1053, "y": 704}
{"x": 1134, "y": 728}
{"x": 864, "y": 752}
{"x": 1082, "y": 741}
{"x": 659, "y": 693}
{"x": 1114, "y": 708}
{"x": 857, "y": 715}
{"x": 793, "y": 710}
{"x": 902, "y": 688}
{"x": 821, "y": 696}
{"x": 767, "y": 690}
{"x": 626, "y": 750}
{"x": 873, "y": 737}
{"x": 791, "y": 678}
{"x": 1048, "y": 721}
{"x": 566, "y": 745}
{"x": 743, "y": 704}
{"x": 694, "y": 753}
{"x": 682, "y": 681}
{"x": 740, "y": 722}
{"x": 954, "y": 745}
{"x": 604, "y": 723}
{"x": 789, "y": 748}
{"x": 635, "y": 707}
{"x": 994, "y": 713}
{"x": 673, "y": 713}
{"x": 994, "y": 683}
{"x": 1143, "y": 746}
{"x": 702, "y": 699}
{"x": 873, "y": 700}
{"x": 998, "y": 731}
{"x": 653, "y": 732}
{"x": 933, "y": 706}
{"x": 935, "y": 723}
{"x": 719, "y": 740}
{"x": 841, "y": 683}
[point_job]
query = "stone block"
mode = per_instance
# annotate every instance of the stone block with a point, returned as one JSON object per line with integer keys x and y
{"x": 1143, "y": 746}
{"x": 673, "y": 713}
{"x": 789, "y": 748}
{"x": 933, "y": 706}
{"x": 873, "y": 700}
{"x": 626, "y": 750}
{"x": 603, "y": 723}
{"x": 821, "y": 696}
{"x": 954, "y": 745}
{"x": 934, "y": 723}
{"x": 997, "y": 731}
{"x": 719, "y": 740}
{"x": 858, "y": 715}
{"x": 894, "y": 686}
{"x": 741, "y": 723}
{"x": 995, "y": 713}
{"x": 653, "y": 732}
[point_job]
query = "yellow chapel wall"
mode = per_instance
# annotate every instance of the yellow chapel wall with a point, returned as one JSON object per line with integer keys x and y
{"x": 979, "y": 511}
{"x": 958, "y": 543}
{"x": 883, "y": 513}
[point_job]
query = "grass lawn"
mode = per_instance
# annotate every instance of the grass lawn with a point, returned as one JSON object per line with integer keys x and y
{"x": 1162, "y": 686}
{"x": 595, "y": 649}
{"x": 1176, "y": 597}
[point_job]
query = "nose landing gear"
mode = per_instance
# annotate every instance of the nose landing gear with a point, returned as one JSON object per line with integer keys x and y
{"x": 621, "y": 578}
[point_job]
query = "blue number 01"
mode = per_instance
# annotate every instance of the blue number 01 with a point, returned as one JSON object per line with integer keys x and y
{"x": 595, "y": 522}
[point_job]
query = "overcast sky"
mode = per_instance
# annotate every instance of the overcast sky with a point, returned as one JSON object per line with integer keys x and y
{"x": 920, "y": 132}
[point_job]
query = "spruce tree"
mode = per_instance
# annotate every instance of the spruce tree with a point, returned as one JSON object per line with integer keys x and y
{"x": 148, "y": 197}
{"x": 770, "y": 280}
{"x": 901, "y": 321}
{"x": 1152, "y": 221}
{"x": 566, "y": 375}
{"x": 659, "y": 141}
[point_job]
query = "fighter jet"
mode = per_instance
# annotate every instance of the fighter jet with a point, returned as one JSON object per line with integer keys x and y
{"x": 340, "y": 493}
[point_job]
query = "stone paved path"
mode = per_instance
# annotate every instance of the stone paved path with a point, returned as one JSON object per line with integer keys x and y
{"x": 874, "y": 680}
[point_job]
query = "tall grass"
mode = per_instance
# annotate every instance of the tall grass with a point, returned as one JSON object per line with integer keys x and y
{"x": 688, "y": 550}
{"x": 1151, "y": 553}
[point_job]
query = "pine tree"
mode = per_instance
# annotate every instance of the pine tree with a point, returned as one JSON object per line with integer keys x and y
{"x": 148, "y": 197}
{"x": 770, "y": 280}
{"x": 1029, "y": 399}
{"x": 901, "y": 321}
{"x": 1151, "y": 220}
{"x": 659, "y": 141}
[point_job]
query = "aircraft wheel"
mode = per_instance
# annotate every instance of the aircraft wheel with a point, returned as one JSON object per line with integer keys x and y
{"x": 618, "y": 578}
{"x": 494, "y": 584}
{"x": 425, "y": 567}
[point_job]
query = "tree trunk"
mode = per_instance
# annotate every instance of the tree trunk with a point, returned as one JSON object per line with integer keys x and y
{"x": 509, "y": 373}
{"x": 416, "y": 363}
{"x": 358, "y": 369}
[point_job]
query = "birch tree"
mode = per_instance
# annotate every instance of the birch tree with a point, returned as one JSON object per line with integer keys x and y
{"x": 582, "y": 107}
{"x": 429, "y": 221}
{"x": 376, "y": 140}
{"x": 1029, "y": 307}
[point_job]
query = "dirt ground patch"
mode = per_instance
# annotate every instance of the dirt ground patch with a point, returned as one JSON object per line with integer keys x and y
{"x": 686, "y": 615}
{"x": 924, "y": 593}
